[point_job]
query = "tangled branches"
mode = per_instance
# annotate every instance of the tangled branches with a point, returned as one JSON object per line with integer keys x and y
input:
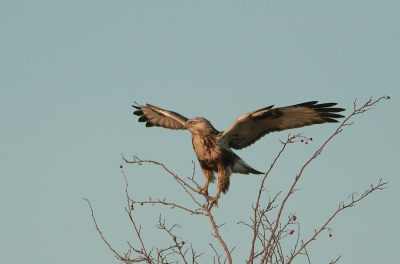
{"x": 267, "y": 231}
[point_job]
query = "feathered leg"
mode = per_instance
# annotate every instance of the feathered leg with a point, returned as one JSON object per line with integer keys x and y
{"x": 209, "y": 177}
{"x": 224, "y": 174}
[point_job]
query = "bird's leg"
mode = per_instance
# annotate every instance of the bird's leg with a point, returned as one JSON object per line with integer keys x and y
{"x": 214, "y": 200}
{"x": 224, "y": 174}
{"x": 204, "y": 190}
{"x": 209, "y": 177}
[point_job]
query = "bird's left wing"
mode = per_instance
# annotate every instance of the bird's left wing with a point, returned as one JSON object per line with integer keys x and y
{"x": 252, "y": 126}
{"x": 155, "y": 116}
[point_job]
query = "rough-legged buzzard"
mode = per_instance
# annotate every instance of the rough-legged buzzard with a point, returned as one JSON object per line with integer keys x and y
{"x": 214, "y": 148}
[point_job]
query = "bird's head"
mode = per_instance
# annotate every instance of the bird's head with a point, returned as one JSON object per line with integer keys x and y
{"x": 199, "y": 125}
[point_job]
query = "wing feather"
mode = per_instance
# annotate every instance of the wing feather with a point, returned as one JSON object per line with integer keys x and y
{"x": 252, "y": 126}
{"x": 155, "y": 116}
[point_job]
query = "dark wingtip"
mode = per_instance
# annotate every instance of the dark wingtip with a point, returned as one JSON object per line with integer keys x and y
{"x": 149, "y": 124}
{"x": 137, "y": 106}
{"x": 138, "y": 112}
{"x": 327, "y": 112}
{"x": 324, "y": 105}
{"x": 143, "y": 119}
{"x": 330, "y": 120}
{"x": 331, "y": 115}
{"x": 338, "y": 109}
{"x": 332, "y": 110}
{"x": 309, "y": 104}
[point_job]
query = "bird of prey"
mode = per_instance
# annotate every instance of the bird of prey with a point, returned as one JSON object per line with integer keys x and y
{"x": 213, "y": 148}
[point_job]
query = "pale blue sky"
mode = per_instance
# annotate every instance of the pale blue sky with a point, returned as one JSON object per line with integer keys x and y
{"x": 70, "y": 71}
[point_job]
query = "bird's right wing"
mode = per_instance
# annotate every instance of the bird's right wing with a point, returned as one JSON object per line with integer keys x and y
{"x": 155, "y": 116}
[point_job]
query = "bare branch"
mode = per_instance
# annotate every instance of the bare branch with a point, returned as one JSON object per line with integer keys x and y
{"x": 218, "y": 236}
{"x": 367, "y": 106}
{"x": 184, "y": 185}
{"x": 118, "y": 256}
{"x": 267, "y": 231}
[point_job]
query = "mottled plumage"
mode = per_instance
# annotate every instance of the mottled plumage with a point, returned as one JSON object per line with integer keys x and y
{"x": 214, "y": 148}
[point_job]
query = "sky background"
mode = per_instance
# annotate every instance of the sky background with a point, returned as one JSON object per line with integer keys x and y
{"x": 70, "y": 71}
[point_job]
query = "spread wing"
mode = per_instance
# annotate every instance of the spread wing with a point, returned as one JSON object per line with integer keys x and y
{"x": 155, "y": 116}
{"x": 252, "y": 126}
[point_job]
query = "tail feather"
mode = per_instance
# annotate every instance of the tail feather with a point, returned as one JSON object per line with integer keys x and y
{"x": 242, "y": 167}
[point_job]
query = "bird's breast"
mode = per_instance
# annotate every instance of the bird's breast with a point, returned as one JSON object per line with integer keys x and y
{"x": 210, "y": 153}
{"x": 206, "y": 147}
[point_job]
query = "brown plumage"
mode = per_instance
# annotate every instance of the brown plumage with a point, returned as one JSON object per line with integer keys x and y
{"x": 214, "y": 149}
